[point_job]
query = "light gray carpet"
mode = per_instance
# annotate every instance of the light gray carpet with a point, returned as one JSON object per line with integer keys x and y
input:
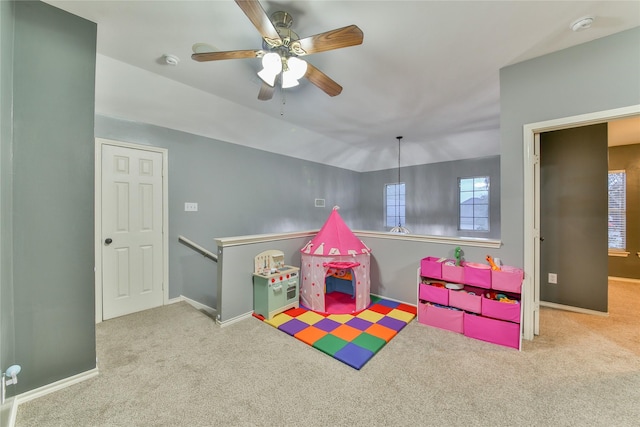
{"x": 172, "y": 366}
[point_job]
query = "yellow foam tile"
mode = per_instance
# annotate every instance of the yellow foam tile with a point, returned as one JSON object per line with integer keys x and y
{"x": 371, "y": 316}
{"x": 401, "y": 315}
{"x": 278, "y": 320}
{"x": 340, "y": 318}
{"x": 310, "y": 317}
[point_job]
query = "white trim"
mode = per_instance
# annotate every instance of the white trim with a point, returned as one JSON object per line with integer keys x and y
{"x": 47, "y": 389}
{"x": 211, "y": 312}
{"x": 99, "y": 142}
{"x": 396, "y": 300}
{"x": 624, "y": 279}
{"x": 573, "y": 309}
{"x": 234, "y": 319}
{"x": 531, "y": 208}
{"x": 466, "y": 241}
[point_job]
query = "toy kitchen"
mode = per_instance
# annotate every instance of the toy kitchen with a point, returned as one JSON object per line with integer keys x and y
{"x": 275, "y": 285}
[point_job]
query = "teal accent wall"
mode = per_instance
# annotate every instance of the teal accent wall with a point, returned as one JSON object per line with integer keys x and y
{"x": 52, "y": 192}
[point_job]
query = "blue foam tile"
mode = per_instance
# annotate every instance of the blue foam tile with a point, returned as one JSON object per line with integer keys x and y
{"x": 392, "y": 323}
{"x": 293, "y": 326}
{"x": 387, "y": 303}
{"x": 353, "y": 355}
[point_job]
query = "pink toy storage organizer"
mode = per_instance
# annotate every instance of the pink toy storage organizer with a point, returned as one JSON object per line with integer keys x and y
{"x": 333, "y": 247}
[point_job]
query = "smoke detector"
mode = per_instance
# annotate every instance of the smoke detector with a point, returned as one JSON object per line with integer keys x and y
{"x": 171, "y": 59}
{"x": 582, "y": 23}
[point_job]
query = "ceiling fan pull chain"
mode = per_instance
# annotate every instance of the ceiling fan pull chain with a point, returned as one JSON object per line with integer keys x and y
{"x": 284, "y": 101}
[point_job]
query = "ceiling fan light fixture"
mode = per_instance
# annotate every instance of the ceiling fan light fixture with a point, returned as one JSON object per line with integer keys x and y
{"x": 288, "y": 80}
{"x": 272, "y": 66}
{"x": 295, "y": 70}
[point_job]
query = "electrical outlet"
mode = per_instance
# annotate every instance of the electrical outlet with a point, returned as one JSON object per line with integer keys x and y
{"x": 191, "y": 207}
{"x": 553, "y": 278}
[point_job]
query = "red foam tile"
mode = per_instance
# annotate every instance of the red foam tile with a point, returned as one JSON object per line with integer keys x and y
{"x": 408, "y": 308}
{"x": 379, "y": 308}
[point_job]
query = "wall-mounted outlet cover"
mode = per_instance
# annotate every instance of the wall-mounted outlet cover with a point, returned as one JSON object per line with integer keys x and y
{"x": 553, "y": 278}
{"x": 319, "y": 203}
{"x": 190, "y": 207}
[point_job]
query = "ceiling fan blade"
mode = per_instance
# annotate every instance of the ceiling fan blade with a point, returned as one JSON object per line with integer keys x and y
{"x": 323, "y": 81}
{"x": 231, "y": 54}
{"x": 334, "y": 39}
{"x": 259, "y": 18}
{"x": 266, "y": 92}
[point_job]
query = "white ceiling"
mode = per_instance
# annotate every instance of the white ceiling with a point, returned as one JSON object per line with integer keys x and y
{"x": 427, "y": 70}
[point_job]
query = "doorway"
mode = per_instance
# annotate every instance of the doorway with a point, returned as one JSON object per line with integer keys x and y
{"x": 131, "y": 244}
{"x": 531, "y": 229}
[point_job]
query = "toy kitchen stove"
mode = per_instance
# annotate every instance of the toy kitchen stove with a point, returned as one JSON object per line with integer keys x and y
{"x": 275, "y": 285}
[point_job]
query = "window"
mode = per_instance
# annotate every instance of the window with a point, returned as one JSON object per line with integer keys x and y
{"x": 474, "y": 203}
{"x": 394, "y": 202}
{"x": 617, "y": 210}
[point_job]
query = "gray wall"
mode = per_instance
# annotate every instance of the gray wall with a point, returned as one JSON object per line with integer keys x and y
{"x": 432, "y": 196}
{"x": 7, "y": 343}
{"x": 627, "y": 157}
{"x": 595, "y": 76}
{"x": 51, "y": 193}
{"x": 239, "y": 191}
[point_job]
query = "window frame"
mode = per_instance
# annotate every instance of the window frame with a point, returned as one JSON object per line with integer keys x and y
{"x": 402, "y": 206}
{"x": 617, "y": 212}
{"x": 473, "y": 218}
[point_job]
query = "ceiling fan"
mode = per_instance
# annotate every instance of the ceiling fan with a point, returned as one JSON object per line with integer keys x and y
{"x": 281, "y": 49}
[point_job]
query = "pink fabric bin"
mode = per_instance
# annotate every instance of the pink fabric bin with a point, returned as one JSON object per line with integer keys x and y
{"x": 477, "y": 274}
{"x": 491, "y": 330}
{"x": 443, "y": 318}
{"x": 501, "y": 310}
{"x": 508, "y": 279}
{"x": 433, "y": 294}
{"x": 465, "y": 301}
{"x": 452, "y": 273}
{"x": 431, "y": 267}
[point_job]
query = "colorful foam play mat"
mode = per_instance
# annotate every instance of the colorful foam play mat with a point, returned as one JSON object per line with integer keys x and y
{"x": 350, "y": 338}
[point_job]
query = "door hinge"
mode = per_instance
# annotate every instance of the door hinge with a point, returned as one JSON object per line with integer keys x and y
{"x": 536, "y": 159}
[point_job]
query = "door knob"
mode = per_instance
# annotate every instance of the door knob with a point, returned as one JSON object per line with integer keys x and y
{"x": 108, "y": 241}
{"x": 541, "y": 239}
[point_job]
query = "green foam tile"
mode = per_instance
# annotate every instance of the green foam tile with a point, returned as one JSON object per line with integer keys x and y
{"x": 369, "y": 342}
{"x": 329, "y": 344}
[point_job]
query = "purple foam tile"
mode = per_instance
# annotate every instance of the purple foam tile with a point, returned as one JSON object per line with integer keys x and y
{"x": 392, "y": 323}
{"x": 327, "y": 325}
{"x": 359, "y": 323}
{"x": 353, "y": 355}
{"x": 293, "y": 326}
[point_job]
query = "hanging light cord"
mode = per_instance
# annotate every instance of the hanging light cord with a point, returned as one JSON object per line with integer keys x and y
{"x": 398, "y": 193}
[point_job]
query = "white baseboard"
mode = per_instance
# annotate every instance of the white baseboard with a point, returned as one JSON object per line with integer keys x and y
{"x": 234, "y": 320}
{"x": 49, "y": 388}
{"x": 571, "y": 308}
{"x": 394, "y": 300}
{"x": 211, "y": 312}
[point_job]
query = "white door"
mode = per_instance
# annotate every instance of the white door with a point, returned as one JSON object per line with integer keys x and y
{"x": 132, "y": 241}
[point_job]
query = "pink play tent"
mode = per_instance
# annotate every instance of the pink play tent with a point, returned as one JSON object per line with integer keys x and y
{"x": 335, "y": 269}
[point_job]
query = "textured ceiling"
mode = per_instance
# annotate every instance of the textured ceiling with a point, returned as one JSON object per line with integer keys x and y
{"x": 427, "y": 70}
